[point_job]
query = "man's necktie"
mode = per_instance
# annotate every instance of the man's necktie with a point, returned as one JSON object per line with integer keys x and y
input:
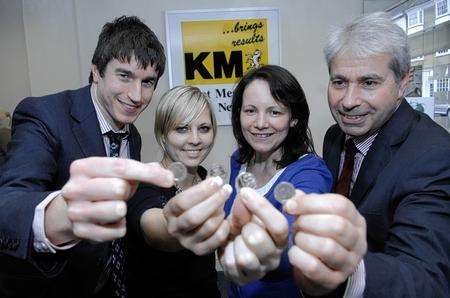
{"x": 117, "y": 255}
{"x": 115, "y": 139}
{"x": 343, "y": 183}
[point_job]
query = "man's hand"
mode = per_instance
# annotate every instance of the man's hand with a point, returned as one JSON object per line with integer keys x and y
{"x": 195, "y": 217}
{"x": 259, "y": 235}
{"x": 95, "y": 195}
{"x": 329, "y": 241}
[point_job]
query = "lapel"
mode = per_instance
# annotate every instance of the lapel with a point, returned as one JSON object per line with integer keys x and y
{"x": 332, "y": 150}
{"x": 135, "y": 143}
{"x": 85, "y": 124}
{"x": 387, "y": 142}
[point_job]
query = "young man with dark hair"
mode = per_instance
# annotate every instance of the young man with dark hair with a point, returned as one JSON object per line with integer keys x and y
{"x": 58, "y": 190}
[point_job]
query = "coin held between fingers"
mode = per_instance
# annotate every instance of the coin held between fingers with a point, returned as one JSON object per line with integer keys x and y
{"x": 179, "y": 171}
{"x": 245, "y": 179}
{"x": 284, "y": 191}
{"x": 217, "y": 170}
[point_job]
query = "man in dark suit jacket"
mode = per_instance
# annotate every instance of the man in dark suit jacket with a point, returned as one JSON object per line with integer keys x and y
{"x": 392, "y": 170}
{"x": 55, "y": 193}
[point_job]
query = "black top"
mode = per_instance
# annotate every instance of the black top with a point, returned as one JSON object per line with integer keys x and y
{"x": 155, "y": 273}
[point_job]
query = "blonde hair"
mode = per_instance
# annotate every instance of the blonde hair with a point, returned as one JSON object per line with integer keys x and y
{"x": 180, "y": 106}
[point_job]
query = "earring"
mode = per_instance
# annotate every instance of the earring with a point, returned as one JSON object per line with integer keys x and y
{"x": 293, "y": 122}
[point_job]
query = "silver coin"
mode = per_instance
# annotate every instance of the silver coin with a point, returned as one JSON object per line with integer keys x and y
{"x": 246, "y": 179}
{"x": 217, "y": 170}
{"x": 179, "y": 170}
{"x": 284, "y": 191}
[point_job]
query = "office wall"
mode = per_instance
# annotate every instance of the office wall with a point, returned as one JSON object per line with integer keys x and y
{"x": 14, "y": 80}
{"x": 60, "y": 37}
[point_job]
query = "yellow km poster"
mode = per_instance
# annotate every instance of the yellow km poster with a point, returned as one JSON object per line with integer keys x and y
{"x": 213, "y": 49}
{"x": 221, "y": 51}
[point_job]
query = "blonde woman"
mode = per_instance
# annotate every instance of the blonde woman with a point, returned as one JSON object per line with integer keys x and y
{"x": 159, "y": 266}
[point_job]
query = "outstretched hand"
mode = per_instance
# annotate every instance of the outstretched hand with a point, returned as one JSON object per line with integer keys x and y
{"x": 259, "y": 233}
{"x": 195, "y": 217}
{"x": 96, "y": 195}
{"x": 329, "y": 240}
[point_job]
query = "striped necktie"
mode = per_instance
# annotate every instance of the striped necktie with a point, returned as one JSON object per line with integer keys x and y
{"x": 117, "y": 256}
{"x": 343, "y": 184}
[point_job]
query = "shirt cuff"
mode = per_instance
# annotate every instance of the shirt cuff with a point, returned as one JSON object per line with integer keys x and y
{"x": 356, "y": 282}
{"x": 41, "y": 243}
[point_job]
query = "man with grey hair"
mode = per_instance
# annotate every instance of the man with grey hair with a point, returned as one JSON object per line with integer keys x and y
{"x": 385, "y": 233}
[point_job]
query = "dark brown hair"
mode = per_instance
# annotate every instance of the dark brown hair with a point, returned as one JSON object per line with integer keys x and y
{"x": 127, "y": 37}
{"x": 286, "y": 90}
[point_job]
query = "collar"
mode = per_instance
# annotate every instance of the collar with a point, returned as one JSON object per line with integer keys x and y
{"x": 363, "y": 143}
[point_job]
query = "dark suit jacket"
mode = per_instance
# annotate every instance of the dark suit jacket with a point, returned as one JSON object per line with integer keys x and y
{"x": 403, "y": 191}
{"x": 48, "y": 134}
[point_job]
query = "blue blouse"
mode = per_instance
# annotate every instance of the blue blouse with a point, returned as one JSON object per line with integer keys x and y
{"x": 310, "y": 174}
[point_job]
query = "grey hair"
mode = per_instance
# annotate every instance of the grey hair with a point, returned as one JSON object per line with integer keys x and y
{"x": 371, "y": 34}
{"x": 178, "y": 107}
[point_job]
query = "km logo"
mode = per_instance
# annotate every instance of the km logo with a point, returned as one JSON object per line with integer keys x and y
{"x": 222, "y": 67}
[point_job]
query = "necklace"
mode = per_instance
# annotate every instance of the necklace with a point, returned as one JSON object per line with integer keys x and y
{"x": 179, "y": 188}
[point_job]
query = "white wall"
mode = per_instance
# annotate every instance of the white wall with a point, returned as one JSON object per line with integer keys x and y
{"x": 14, "y": 81}
{"x": 61, "y": 36}
{"x": 52, "y": 45}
